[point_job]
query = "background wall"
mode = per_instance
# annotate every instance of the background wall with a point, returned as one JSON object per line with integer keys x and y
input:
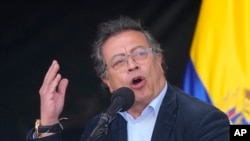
{"x": 32, "y": 35}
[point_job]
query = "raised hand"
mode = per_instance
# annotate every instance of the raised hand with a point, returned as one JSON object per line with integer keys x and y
{"x": 52, "y": 95}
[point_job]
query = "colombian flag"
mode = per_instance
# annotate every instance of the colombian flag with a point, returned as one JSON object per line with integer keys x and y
{"x": 218, "y": 71}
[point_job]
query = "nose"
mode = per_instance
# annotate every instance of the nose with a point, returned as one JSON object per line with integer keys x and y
{"x": 132, "y": 64}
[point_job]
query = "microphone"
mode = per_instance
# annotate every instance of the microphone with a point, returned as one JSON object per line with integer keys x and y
{"x": 121, "y": 100}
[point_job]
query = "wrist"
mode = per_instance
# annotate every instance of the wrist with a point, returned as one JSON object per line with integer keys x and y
{"x": 45, "y": 121}
{"x": 43, "y": 131}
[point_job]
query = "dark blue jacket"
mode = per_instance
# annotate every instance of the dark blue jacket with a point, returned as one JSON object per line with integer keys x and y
{"x": 181, "y": 118}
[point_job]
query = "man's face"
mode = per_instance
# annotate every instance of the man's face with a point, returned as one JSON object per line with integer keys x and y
{"x": 142, "y": 71}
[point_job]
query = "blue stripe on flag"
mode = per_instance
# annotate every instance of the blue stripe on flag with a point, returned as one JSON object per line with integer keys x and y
{"x": 193, "y": 85}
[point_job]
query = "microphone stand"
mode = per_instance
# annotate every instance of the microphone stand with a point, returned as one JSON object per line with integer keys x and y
{"x": 122, "y": 99}
{"x": 101, "y": 128}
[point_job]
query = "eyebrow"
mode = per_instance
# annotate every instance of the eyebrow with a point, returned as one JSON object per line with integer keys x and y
{"x": 136, "y": 47}
{"x": 131, "y": 50}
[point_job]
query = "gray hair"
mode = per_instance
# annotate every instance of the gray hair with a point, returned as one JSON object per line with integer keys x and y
{"x": 111, "y": 28}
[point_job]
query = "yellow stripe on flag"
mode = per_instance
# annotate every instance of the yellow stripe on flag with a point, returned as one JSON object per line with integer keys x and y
{"x": 220, "y": 53}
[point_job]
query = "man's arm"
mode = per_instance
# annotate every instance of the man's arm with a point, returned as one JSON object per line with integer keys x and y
{"x": 52, "y": 95}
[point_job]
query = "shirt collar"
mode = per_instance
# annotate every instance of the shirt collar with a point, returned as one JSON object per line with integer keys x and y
{"x": 154, "y": 104}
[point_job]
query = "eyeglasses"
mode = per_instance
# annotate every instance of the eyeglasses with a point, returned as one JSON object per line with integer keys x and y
{"x": 119, "y": 62}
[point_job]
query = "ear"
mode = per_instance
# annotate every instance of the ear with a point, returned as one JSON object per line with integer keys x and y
{"x": 160, "y": 60}
{"x": 107, "y": 82}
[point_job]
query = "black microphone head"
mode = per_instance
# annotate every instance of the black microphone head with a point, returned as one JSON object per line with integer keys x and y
{"x": 127, "y": 96}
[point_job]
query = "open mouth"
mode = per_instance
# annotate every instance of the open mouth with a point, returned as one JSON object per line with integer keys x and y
{"x": 138, "y": 82}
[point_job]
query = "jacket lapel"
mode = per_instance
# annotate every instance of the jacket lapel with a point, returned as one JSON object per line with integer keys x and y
{"x": 166, "y": 117}
{"x": 119, "y": 129}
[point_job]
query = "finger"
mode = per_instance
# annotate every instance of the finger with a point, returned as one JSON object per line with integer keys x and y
{"x": 63, "y": 84}
{"x": 50, "y": 68}
{"x": 53, "y": 85}
{"x": 51, "y": 74}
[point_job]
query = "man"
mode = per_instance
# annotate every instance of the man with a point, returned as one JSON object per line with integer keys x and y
{"x": 126, "y": 55}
